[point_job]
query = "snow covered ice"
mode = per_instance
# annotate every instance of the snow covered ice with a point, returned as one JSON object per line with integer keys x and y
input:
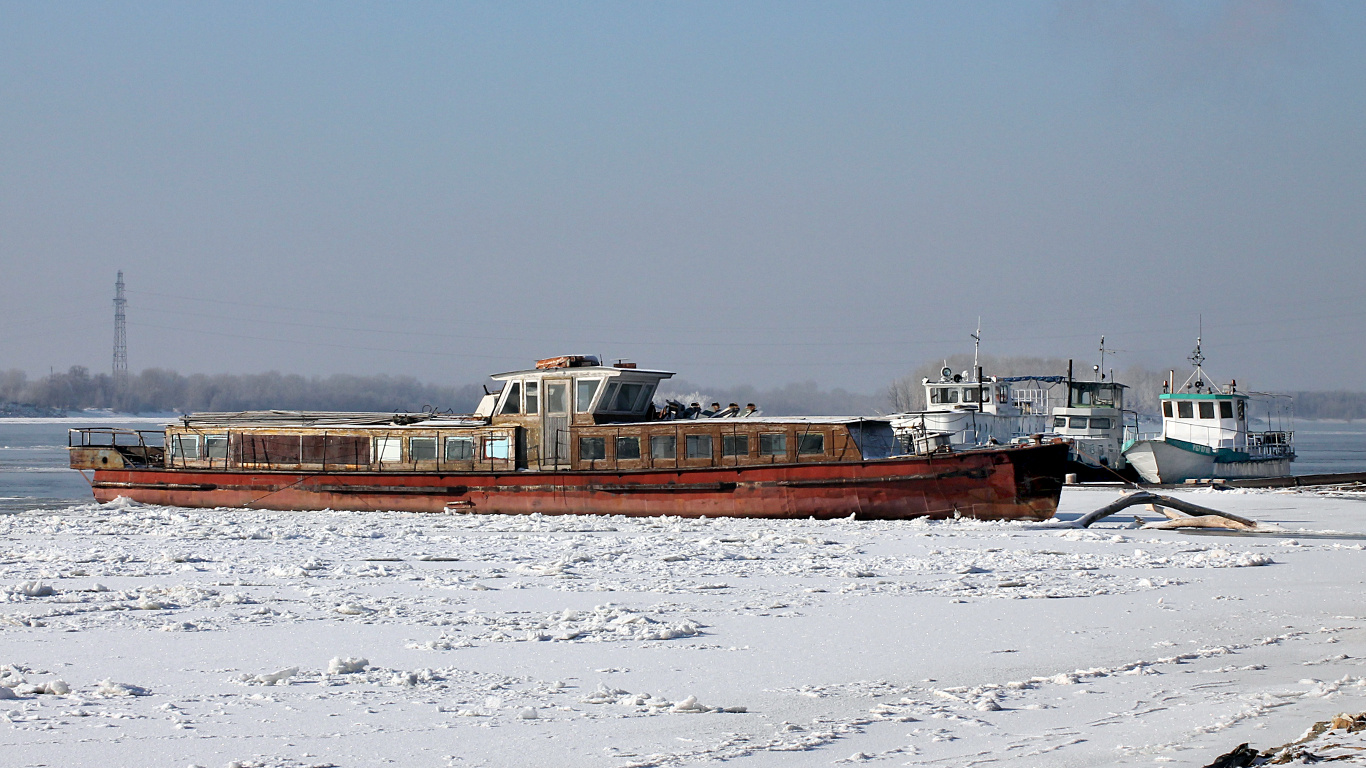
{"x": 144, "y": 635}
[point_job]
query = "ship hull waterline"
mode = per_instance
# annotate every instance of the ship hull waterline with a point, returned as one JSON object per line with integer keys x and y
{"x": 1016, "y": 483}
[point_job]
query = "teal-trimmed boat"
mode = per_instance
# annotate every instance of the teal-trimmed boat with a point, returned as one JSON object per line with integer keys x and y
{"x": 1205, "y": 434}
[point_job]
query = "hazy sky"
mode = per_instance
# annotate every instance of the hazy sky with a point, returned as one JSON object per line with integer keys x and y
{"x": 743, "y": 192}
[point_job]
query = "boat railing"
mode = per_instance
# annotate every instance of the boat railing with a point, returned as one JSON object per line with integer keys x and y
{"x": 1267, "y": 444}
{"x": 138, "y": 447}
{"x": 1271, "y": 443}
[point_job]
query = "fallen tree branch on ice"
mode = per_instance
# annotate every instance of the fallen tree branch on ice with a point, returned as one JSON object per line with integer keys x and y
{"x": 1195, "y": 515}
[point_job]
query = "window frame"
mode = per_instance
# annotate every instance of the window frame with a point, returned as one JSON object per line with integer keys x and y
{"x": 802, "y": 440}
{"x": 601, "y": 448}
{"x": 511, "y": 404}
{"x": 579, "y": 405}
{"x": 178, "y": 442}
{"x": 412, "y": 449}
{"x": 209, "y": 456}
{"x": 732, "y": 440}
{"x": 456, "y": 439}
{"x": 781, "y": 437}
{"x": 378, "y": 445}
{"x": 531, "y": 397}
{"x": 689, "y": 441}
{"x": 492, "y": 440}
{"x": 616, "y": 447}
{"x": 670, "y": 440}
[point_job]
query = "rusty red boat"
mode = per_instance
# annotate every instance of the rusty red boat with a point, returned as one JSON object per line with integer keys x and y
{"x": 570, "y": 436}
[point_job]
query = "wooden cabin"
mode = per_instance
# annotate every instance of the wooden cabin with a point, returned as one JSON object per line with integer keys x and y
{"x": 568, "y": 413}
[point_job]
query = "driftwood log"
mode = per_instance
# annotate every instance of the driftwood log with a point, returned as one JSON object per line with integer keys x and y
{"x": 1195, "y": 515}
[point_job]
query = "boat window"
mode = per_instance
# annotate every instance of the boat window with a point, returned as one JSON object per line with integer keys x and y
{"x": 1059, "y": 421}
{"x": 645, "y": 399}
{"x": 185, "y": 447}
{"x": 388, "y": 449}
{"x": 1100, "y": 422}
{"x": 216, "y": 447}
{"x": 512, "y": 401}
{"x": 584, "y": 389}
{"x": 1242, "y": 410}
{"x": 533, "y": 405}
{"x": 605, "y": 403}
{"x": 1167, "y": 408}
{"x": 557, "y": 398}
{"x": 459, "y": 448}
{"x": 1184, "y": 409}
{"x": 944, "y": 395}
{"x": 811, "y": 444}
{"x": 1206, "y": 409}
{"x": 422, "y": 449}
{"x": 496, "y": 447}
{"x": 775, "y": 443}
{"x": 336, "y": 449}
{"x": 1105, "y": 395}
{"x": 1225, "y": 409}
{"x": 265, "y": 449}
{"x": 1077, "y": 422}
{"x": 592, "y": 448}
{"x": 628, "y": 448}
{"x": 1003, "y": 394}
{"x": 663, "y": 447}
{"x": 735, "y": 445}
{"x": 697, "y": 446}
{"x": 627, "y": 396}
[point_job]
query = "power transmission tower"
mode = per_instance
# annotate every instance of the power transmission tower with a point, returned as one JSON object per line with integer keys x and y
{"x": 120, "y": 337}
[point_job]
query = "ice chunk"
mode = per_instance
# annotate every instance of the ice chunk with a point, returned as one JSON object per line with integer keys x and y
{"x": 108, "y": 687}
{"x": 33, "y": 589}
{"x": 346, "y": 666}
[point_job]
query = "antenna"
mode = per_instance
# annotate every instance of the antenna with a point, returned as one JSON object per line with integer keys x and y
{"x": 1101, "y": 367}
{"x": 976, "y": 342}
{"x": 120, "y": 336}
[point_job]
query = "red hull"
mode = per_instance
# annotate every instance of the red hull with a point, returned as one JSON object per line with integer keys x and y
{"x": 993, "y": 484}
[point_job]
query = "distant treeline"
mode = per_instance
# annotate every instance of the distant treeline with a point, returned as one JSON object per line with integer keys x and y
{"x": 159, "y": 390}
{"x": 1330, "y": 405}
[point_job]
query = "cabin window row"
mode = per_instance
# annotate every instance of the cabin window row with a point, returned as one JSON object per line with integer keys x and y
{"x": 336, "y": 449}
{"x": 525, "y": 397}
{"x": 1083, "y": 422}
{"x": 1185, "y": 409}
{"x": 948, "y": 395}
{"x": 699, "y": 446}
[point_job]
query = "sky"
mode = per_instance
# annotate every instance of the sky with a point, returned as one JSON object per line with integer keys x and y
{"x": 746, "y": 193}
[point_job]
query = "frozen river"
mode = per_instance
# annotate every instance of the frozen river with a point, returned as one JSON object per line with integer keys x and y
{"x": 140, "y": 635}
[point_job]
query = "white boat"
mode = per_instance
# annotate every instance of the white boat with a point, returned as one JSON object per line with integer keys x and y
{"x": 1205, "y": 434}
{"x": 1095, "y": 422}
{"x": 964, "y": 410}
{"x": 969, "y": 409}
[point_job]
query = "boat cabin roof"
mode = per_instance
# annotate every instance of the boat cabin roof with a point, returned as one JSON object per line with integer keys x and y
{"x": 317, "y": 419}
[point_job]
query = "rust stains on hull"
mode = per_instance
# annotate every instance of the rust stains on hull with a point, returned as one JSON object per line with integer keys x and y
{"x": 1009, "y": 483}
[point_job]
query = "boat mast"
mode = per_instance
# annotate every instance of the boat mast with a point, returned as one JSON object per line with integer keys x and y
{"x": 1197, "y": 358}
{"x": 976, "y": 342}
